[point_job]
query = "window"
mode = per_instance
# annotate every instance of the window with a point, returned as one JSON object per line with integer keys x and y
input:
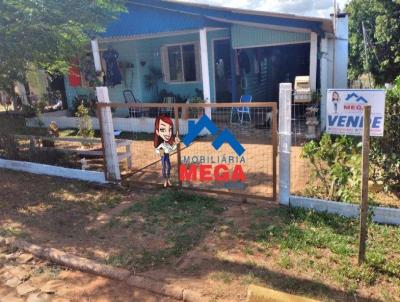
{"x": 181, "y": 63}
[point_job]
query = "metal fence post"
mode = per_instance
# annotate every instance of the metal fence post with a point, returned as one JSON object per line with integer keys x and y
{"x": 285, "y": 141}
{"x": 107, "y": 134}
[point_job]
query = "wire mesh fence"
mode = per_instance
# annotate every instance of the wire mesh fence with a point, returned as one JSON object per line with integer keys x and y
{"x": 203, "y": 163}
{"x": 305, "y": 127}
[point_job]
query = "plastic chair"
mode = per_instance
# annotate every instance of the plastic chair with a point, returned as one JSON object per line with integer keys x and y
{"x": 242, "y": 111}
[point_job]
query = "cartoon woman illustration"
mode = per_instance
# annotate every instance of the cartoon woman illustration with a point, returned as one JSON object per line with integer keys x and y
{"x": 335, "y": 100}
{"x": 165, "y": 143}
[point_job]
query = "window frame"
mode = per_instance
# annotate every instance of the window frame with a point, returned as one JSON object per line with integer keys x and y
{"x": 165, "y": 62}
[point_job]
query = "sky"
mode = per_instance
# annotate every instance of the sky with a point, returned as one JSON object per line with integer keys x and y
{"x": 314, "y": 8}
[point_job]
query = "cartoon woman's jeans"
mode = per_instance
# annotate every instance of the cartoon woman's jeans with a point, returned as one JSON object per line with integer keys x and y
{"x": 166, "y": 165}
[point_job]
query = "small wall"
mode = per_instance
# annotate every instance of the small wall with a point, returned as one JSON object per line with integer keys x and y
{"x": 35, "y": 168}
{"x": 141, "y": 124}
{"x": 380, "y": 214}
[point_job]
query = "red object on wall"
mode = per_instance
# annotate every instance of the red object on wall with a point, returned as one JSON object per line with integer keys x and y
{"x": 74, "y": 74}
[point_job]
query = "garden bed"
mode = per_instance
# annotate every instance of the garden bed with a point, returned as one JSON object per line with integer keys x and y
{"x": 217, "y": 247}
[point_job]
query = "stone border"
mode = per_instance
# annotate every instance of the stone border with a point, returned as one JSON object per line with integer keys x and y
{"x": 90, "y": 266}
{"x": 36, "y": 168}
{"x": 382, "y": 215}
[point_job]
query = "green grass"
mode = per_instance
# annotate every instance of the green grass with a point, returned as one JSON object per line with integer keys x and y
{"x": 328, "y": 244}
{"x": 225, "y": 277}
{"x": 13, "y": 232}
{"x": 181, "y": 218}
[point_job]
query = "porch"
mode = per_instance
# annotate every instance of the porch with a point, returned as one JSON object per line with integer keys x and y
{"x": 202, "y": 55}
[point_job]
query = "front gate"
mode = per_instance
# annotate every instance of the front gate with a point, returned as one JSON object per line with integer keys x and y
{"x": 228, "y": 148}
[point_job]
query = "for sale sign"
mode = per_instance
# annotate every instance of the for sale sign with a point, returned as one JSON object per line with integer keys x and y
{"x": 345, "y": 111}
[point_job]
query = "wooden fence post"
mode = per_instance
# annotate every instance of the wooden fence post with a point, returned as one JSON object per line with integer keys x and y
{"x": 364, "y": 185}
{"x": 107, "y": 134}
{"x": 176, "y": 114}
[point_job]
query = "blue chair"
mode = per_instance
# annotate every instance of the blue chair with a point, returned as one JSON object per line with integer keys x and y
{"x": 242, "y": 111}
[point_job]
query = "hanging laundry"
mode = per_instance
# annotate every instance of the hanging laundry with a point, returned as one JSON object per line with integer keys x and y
{"x": 220, "y": 67}
{"x": 113, "y": 75}
{"x": 244, "y": 61}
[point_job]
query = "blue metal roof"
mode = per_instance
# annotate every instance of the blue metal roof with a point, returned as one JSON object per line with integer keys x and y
{"x": 237, "y": 14}
{"x": 143, "y": 20}
{"x": 146, "y": 17}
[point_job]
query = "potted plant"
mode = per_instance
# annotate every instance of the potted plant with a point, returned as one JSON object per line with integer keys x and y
{"x": 152, "y": 78}
{"x": 311, "y": 121}
{"x": 196, "y": 111}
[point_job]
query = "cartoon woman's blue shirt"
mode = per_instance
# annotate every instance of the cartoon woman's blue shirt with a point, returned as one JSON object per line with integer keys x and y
{"x": 166, "y": 147}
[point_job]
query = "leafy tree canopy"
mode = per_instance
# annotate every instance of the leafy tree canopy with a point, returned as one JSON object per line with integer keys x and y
{"x": 47, "y": 33}
{"x": 382, "y": 22}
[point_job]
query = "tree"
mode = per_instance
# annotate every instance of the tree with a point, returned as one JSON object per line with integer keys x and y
{"x": 48, "y": 33}
{"x": 381, "y": 21}
{"x": 385, "y": 157}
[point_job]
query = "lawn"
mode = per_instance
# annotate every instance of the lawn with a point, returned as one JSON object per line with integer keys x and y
{"x": 216, "y": 246}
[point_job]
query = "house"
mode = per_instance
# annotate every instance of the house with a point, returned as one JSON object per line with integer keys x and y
{"x": 221, "y": 53}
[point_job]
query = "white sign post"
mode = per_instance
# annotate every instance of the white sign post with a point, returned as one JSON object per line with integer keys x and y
{"x": 345, "y": 111}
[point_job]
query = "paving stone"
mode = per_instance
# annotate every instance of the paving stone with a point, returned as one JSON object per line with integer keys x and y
{"x": 12, "y": 256}
{"x": 13, "y": 282}
{"x": 25, "y": 288}
{"x": 4, "y": 291}
{"x": 39, "y": 297}
{"x": 11, "y": 297}
{"x": 24, "y": 258}
{"x": 7, "y": 275}
{"x": 60, "y": 299}
{"x": 53, "y": 286}
{"x": 20, "y": 272}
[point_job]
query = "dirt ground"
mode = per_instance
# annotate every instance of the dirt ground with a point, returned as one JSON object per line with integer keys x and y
{"x": 257, "y": 160}
{"x": 215, "y": 247}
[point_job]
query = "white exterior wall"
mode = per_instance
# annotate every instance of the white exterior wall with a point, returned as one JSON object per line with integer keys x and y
{"x": 313, "y": 60}
{"x": 341, "y": 52}
{"x": 323, "y": 78}
{"x": 333, "y": 62}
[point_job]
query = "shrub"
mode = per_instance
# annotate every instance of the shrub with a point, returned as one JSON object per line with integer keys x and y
{"x": 385, "y": 151}
{"x": 89, "y": 102}
{"x": 85, "y": 122}
{"x": 37, "y": 109}
{"x": 336, "y": 170}
{"x": 9, "y": 146}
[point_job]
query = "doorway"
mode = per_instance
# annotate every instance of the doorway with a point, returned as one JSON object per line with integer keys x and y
{"x": 222, "y": 67}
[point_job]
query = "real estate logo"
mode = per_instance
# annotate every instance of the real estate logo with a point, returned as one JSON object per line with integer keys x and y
{"x": 345, "y": 111}
{"x": 204, "y": 168}
{"x": 356, "y": 97}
